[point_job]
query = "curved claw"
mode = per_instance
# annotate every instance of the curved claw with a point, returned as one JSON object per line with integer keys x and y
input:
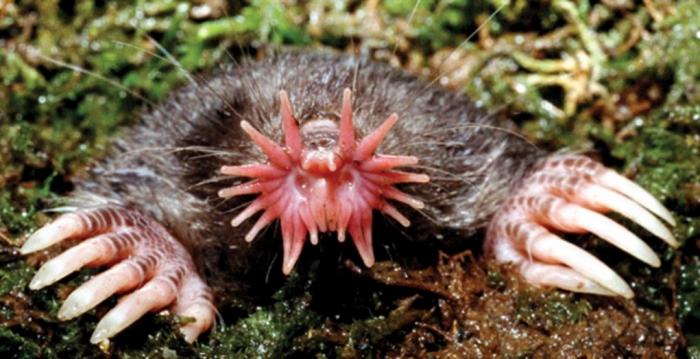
{"x": 615, "y": 181}
{"x": 95, "y": 251}
{"x": 578, "y": 219}
{"x": 64, "y": 227}
{"x": 122, "y": 277}
{"x": 153, "y": 296}
{"x": 550, "y": 248}
{"x": 195, "y": 301}
{"x": 553, "y": 275}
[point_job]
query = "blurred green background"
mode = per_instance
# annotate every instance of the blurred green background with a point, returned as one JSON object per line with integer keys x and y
{"x": 617, "y": 78}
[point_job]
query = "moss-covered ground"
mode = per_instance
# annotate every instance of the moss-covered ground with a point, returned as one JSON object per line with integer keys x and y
{"x": 619, "y": 79}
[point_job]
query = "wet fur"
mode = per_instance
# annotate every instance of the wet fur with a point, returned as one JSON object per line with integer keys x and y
{"x": 167, "y": 165}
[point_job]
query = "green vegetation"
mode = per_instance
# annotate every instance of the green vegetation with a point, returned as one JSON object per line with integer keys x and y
{"x": 617, "y": 78}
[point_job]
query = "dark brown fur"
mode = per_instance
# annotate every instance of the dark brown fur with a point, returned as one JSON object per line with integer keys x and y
{"x": 167, "y": 166}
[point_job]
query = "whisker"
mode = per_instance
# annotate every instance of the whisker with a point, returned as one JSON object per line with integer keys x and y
{"x": 469, "y": 38}
{"x": 409, "y": 21}
{"x": 171, "y": 59}
{"x": 135, "y": 47}
{"x": 450, "y": 176}
{"x": 269, "y": 268}
{"x": 356, "y": 71}
{"x": 210, "y": 181}
{"x": 172, "y": 150}
{"x": 222, "y": 201}
{"x": 427, "y": 216}
{"x": 487, "y": 127}
{"x": 96, "y": 75}
{"x": 192, "y": 80}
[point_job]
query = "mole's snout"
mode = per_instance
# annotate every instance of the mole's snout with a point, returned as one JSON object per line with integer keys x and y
{"x": 320, "y": 154}
{"x": 322, "y": 180}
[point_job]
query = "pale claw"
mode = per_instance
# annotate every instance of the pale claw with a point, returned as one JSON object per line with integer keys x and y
{"x": 95, "y": 251}
{"x": 632, "y": 190}
{"x": 144, "y": 253}
{"x": 195, "y": 301}
{"x": 64, "y": 227}
{"x": 153, "y": 296}
{"x": 566, "y": 193}
{"x": 577, "y": 219}
{"x": 553, "y": 275}
{"x": 550, "y": 248}
{"x": 124, "y": 276}
{"x": 610, "y": 200}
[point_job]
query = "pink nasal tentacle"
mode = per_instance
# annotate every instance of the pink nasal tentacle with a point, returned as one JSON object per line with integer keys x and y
{"x": 305, "y": 215}
{"x": 258, "y": 204}
{"x": 293, "y": 236}
{"x": 345, "y": 210}
{"x": 297, "y": 244}
{"x": 287, "y": 224}
{"x": 273, "y": 151}
{"x": 361, "y": 231}
{"x": 393, "y": 177}
{"x": 394, "y": 213}
{"x": 370, "y": 143}
{"x": 346, "y": 141}
{"x": 248, "y": 212}
{"x": 396, "y": 195}
{"x": 246, "y": 188}
{"x": 317, "y": 203}
{"x": 386, "y": 162}
{"x": 267, "y": 217}
{"x": 292, "y": 137}
{"x": 256, "y": 170}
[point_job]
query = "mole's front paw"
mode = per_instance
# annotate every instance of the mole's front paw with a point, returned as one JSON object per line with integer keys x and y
{"x": 568, "y": 193}
{"x": 146, "y": 261}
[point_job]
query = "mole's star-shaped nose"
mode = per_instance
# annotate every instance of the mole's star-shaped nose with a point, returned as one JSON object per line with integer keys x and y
{"x": 313, "y": 191}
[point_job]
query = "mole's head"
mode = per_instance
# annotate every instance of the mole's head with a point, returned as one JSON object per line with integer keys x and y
{"x": 321, "y": 180}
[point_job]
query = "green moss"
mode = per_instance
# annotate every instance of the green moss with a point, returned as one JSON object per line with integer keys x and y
{"x": 549, "y": 311}
{"x": 266, "y": 333}
{"x": 17, "y": 345}
{"x": 689, "y": 297}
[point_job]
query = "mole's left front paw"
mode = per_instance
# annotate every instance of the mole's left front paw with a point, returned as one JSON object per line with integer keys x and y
{"x": 146, "y": 262}
{"x": 568, "y": 193}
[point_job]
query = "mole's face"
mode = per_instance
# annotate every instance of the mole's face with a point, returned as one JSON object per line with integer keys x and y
{"x": 322, "y": 180}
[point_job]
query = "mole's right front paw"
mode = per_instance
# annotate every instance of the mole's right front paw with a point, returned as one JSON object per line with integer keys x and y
{"x": 570, "y": 193}
{"x": 146, "y": 261}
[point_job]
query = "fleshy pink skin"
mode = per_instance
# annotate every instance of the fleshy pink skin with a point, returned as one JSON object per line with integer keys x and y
{"x": 335, "y": 188}
{"x": 313, "y": 190}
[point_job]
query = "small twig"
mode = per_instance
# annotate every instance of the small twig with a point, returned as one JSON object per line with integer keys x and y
{"x": 587, "y": 35}
{"x": 436, "y": 330}
{"x": 653, "y": 12}
{"x": 633, "y": 38}
{"x": 405, "y": 281}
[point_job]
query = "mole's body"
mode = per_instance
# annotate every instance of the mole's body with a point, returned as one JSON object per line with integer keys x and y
{"x": 164, "y": 167}
{"x": 160, "y": 198}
